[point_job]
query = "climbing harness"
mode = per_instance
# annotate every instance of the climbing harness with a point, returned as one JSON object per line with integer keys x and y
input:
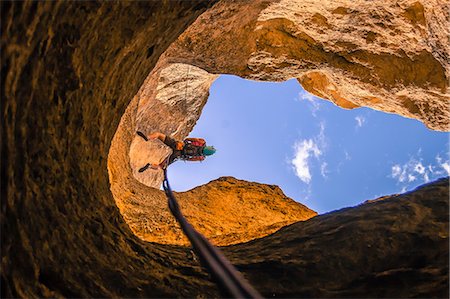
{"x": 227, "y": 277}
{"x": 193, "y": 149}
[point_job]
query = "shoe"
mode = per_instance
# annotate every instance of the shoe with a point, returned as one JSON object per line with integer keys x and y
{"x": 142, "y": 135}
{"x": 142, "y": 169}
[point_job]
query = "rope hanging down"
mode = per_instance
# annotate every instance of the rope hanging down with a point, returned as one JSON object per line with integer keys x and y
{"x": 187, "y": 77}
{"x": 227, "y": 277}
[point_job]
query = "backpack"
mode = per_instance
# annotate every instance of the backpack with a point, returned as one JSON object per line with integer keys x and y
{"x": 193, "y": 149}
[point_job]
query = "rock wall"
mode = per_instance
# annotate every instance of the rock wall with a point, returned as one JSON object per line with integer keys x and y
{"x": 245, "y": 210}
{"x": 393, "y": 248}
{"x": 391, "y": 56}
{"x": 69, "y": 70}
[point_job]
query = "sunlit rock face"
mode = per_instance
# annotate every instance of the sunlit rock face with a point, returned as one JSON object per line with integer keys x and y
{"x": 69, "y": 70}
{"x": 230, "y": 211}
{"x": 387, "y": 55}
{"x": 144, "y": 152}
{"x": 246, "y": 210}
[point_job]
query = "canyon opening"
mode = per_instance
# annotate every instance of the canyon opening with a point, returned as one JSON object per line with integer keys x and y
{"x": 319, "y": 154}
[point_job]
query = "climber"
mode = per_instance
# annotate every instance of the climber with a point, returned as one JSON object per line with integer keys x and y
{"x": 190, "y": 149}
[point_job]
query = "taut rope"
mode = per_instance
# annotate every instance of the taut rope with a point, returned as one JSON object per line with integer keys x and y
{"x": 230, "y": 281}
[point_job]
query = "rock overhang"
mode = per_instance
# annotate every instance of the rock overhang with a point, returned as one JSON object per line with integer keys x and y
{"x": 379, "y": 57}
{"x": 323, "y": 45}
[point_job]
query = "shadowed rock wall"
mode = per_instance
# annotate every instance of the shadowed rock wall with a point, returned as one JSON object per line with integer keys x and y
{"x": 68, "y": 72}
{"x": 395, "y": 247}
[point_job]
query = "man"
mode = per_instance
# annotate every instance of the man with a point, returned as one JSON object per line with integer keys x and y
{"x": 191, "y": 149}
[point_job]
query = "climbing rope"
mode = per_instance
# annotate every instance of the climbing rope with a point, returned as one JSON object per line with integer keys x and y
{"x": 230, "y": 281}
{"x": 187, "y": 77}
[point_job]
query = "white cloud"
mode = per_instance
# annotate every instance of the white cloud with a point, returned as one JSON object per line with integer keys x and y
{"x": 442, "y": 168}
{"x": 426, "y": 178}
{"x": 303, "y": 151}
{"x": 321, "y": 139}
{"x": 313, "y": 101}
{"x": 399, "y": 173}
{"x": 419, "y": 168}
{"x": 324, "y": 170}
{"x": 446, "y": 167}
{"x": 360, "y": 121}
{"x": 415, "y": 171}
{"x": 308, "y": 149}
{"x": 347, "y": 156}
{"x": 306, "y": 96}
{"x": 396, "y": 170}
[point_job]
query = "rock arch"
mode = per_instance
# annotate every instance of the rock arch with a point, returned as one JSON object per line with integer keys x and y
{"x": 69, "y": 71}
{"x": 372, "y": 55}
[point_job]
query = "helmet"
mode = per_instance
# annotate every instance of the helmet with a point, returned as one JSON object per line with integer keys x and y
{"x": 208, "y": 150}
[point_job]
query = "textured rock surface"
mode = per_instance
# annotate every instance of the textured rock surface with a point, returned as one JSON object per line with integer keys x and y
{"x": 230, "y": 211}
{"x": 391, "y": 56}
{"x": 388, "y": 55}
{"x": 397, "y": 247}
{"x": 142, "y": 153}
{"x": 245, "y": 210}
{"x": 69, "y": 71}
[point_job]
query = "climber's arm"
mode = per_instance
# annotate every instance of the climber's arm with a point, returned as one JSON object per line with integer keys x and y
{"x": 157, "y": 135}
{"x": 201, "y": 140}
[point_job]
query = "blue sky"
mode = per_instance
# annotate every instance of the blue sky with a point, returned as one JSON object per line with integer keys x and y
{"x": 319, "y": 154}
